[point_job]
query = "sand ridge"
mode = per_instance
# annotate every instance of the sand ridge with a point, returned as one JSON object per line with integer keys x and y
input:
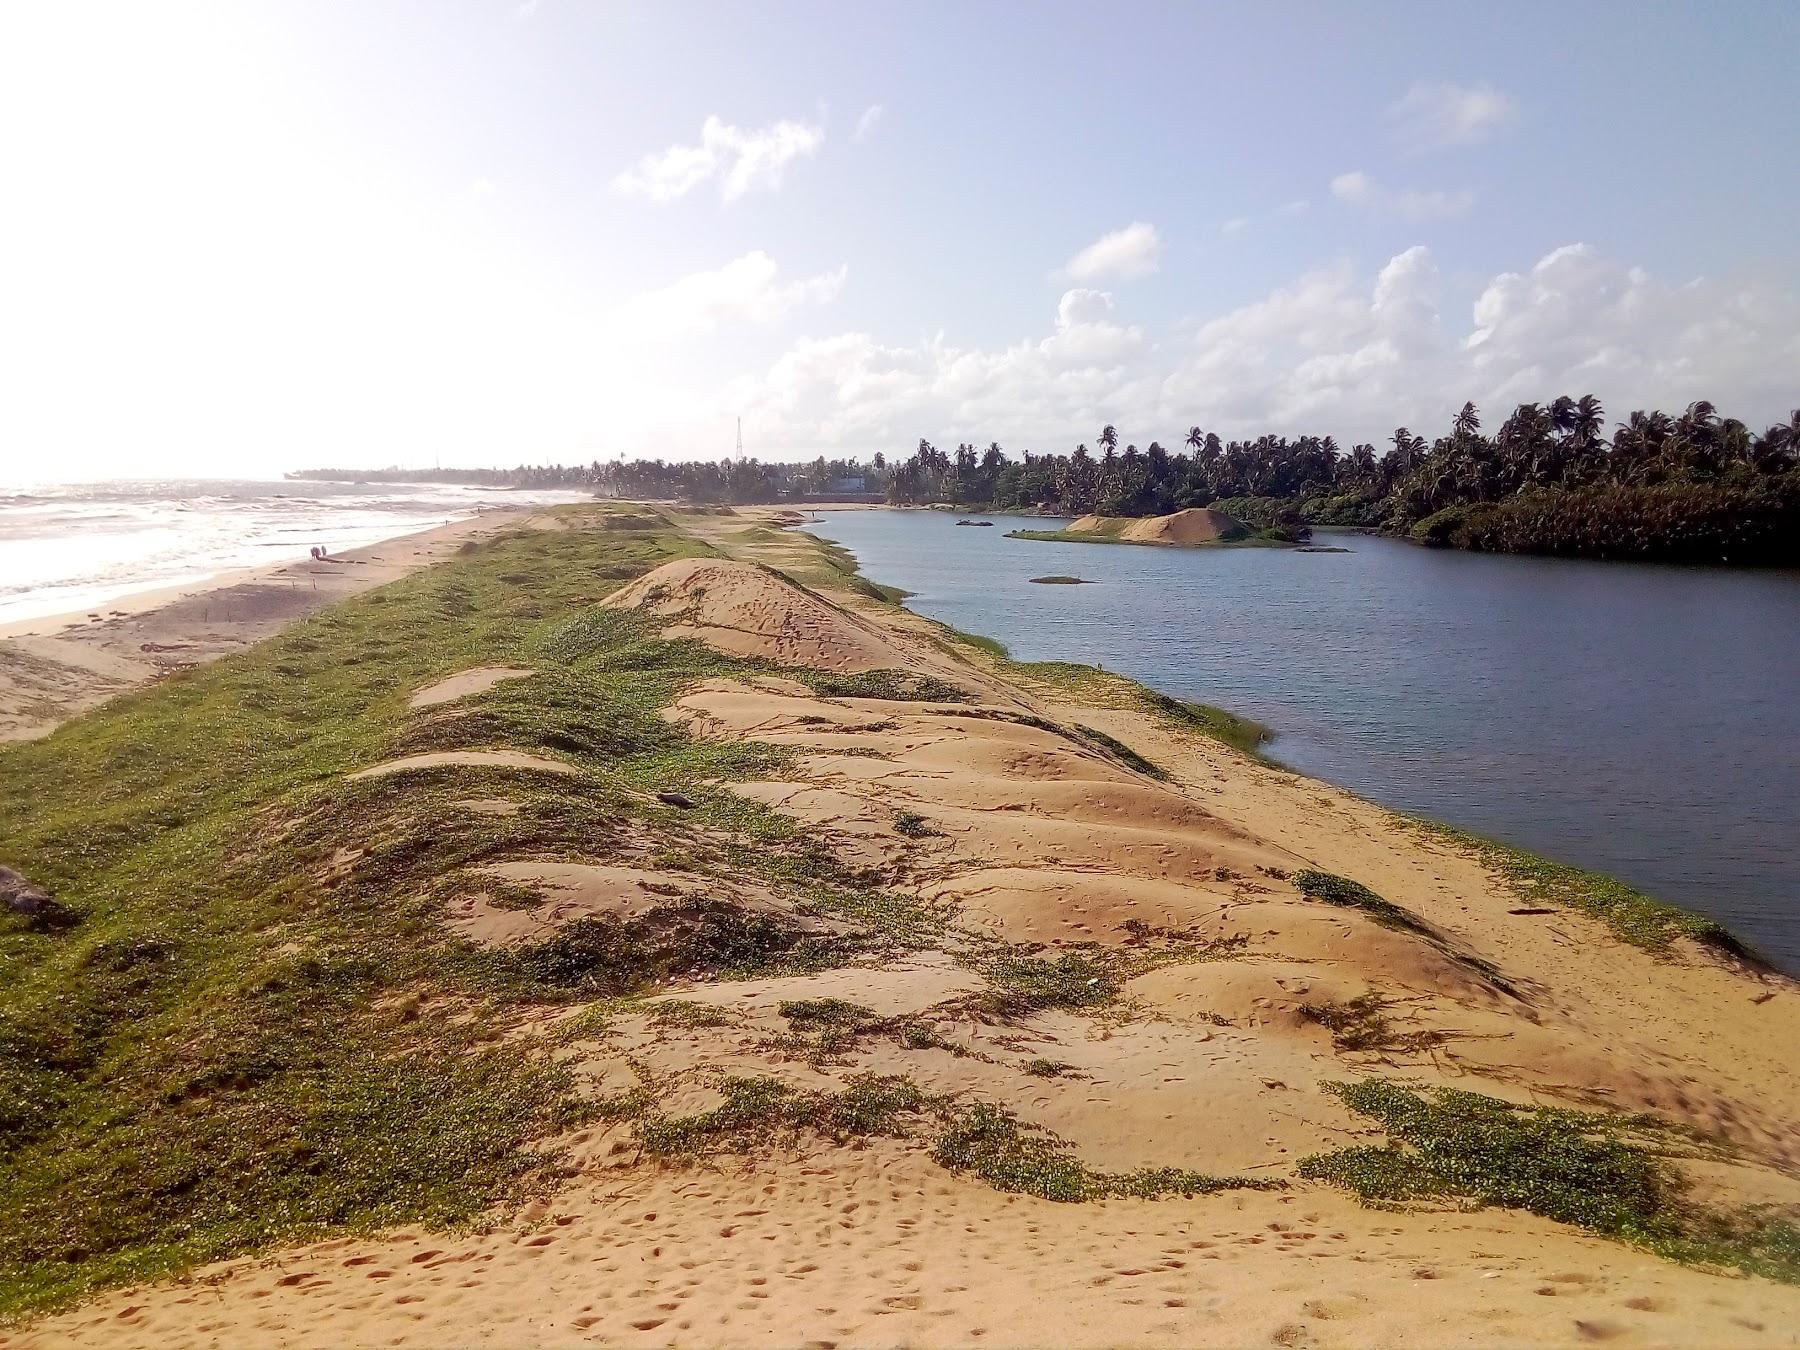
{"x": 1019, "y": 825}
{"x": 744, "y": 609}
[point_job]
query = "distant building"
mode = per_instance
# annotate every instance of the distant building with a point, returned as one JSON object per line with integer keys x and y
{"x": 857, "y": 484}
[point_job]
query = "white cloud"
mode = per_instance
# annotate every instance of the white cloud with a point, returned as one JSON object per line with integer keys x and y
{"x": 1298, "y": 207}
{"x": 1235, "y": 226}
{"x": 1083, "y": 306}
{"x": 1363, "y": 192}
{"x": 866, "y": 123}
{"x": 747, "y": 289}
{"x": 1127, "y": 254}
{"x": 1431, "y": 116}
{"x": 1331, "y": 352}
{"x": 739, "y": 160}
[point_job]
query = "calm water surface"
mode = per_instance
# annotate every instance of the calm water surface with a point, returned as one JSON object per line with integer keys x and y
{"x": 1642, "y": 721}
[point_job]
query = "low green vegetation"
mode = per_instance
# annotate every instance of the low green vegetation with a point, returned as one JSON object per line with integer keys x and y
{"x": 1606, "y": 1173}
{"x": 1120, "y": 751}
{"x": 978, "y": 1138}
{"x": 1019, "y": 985}
{"x": 1331, "y": 889}
{"x": 256, "y": 1026}
{"x": 1103, "y": 688}
{"x": 1631, "y": 915}
{"x": 687, "y": 1015}
{"x": 1010, "y": 1155}
{"x": 758, "y": 1111}
{"x": 1335, "y": 890}
{"x": 1060, "y": 581}
{"x": 1362, "y": 1025}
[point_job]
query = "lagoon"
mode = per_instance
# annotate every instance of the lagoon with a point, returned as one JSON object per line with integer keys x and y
{"x": 1640, "y": 720}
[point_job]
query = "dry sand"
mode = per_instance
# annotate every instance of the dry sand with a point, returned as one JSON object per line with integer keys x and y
{"x": 1041, "y": 834}
{"x": 465, "y": 683}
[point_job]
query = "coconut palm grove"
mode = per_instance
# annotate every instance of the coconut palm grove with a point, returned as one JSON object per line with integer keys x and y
{"x": 1694, "y": 486}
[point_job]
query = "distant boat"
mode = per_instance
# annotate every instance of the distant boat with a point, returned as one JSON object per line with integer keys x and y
{"x": 978, "y": 524}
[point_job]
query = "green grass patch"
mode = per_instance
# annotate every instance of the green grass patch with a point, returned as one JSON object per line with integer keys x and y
{"x": 1331, "y": 889}
{"x": 256, "y": 1026}
{"x": 687, "y": 1015}
{"x": 1609, "y": 1174}
{"x": 1010, "y": 1155}
{"x": 760, "y": 1110}
{"x": 1019, "y": 985}
{"x": 1120, "y": 751}
{"x": 1632, "y": 916}
{"x": 913, "y": 825}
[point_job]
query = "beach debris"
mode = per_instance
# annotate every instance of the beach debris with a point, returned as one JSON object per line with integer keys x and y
{"x": 681, "y": 799}
{"x": 32, "y": 903}
{"x": 1532, "y": 909}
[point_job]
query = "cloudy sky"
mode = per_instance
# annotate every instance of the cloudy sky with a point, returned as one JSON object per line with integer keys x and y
{"x": 240, "y": 237}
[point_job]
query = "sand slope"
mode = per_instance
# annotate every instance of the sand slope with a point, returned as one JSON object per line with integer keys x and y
{"x": 746, "y": 610}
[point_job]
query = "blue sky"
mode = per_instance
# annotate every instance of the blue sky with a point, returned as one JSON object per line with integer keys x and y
{"x": 246, "y": 236}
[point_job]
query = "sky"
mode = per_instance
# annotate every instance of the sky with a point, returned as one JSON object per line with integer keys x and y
{"x": 237, "y": 238}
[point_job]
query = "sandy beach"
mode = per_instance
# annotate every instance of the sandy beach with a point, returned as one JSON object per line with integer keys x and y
{"x": 1023, "y": 815}
{"x": 54, "y": 667}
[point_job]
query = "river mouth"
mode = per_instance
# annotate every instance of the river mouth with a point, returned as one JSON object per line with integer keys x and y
{"x": 1638, "y": 720}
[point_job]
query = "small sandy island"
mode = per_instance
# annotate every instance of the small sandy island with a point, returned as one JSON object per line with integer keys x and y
{"x": 1196, "y": 526}
{"x": 860, "y": 986}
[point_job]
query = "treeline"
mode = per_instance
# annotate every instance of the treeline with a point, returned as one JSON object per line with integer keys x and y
{"x": 1693, "y": 487}
{"x": 723, "y": 481}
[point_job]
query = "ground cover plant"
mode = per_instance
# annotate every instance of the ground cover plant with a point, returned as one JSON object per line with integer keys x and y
{"x": 1631, "y": 915}
{"x": 1607, "y": 1173}
{"x": 255, "y": 1025}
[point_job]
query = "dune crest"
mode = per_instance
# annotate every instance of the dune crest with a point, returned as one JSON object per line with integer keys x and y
{"x": 743, "y": 609}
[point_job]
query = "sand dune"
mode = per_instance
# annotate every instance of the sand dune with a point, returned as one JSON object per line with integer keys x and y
{"x": 745, "y": 610}
{"x": 1006, "y": 820}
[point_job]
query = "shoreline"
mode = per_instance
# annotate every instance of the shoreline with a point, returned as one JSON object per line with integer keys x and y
{"x": 1260, "y": 746}
{"x": 56, "y": 666}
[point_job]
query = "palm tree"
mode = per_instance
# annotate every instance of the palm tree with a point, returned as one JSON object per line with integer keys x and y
{"x": 1109, "y": 439}
{"x": 1195, "y": 439}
